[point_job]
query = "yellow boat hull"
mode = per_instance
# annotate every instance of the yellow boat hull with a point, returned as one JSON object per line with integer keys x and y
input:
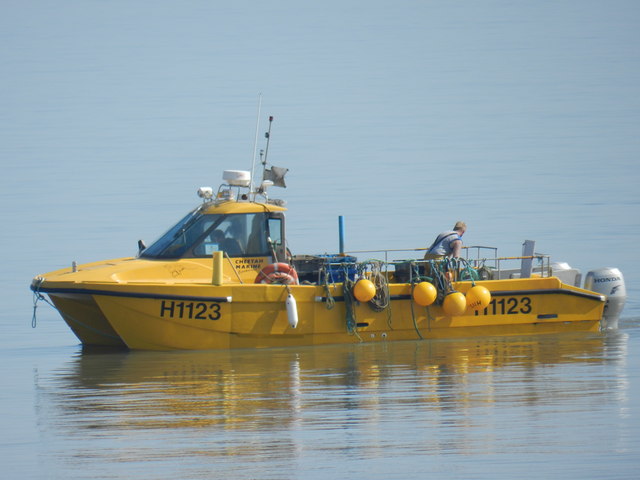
{"x": 174, "y": 306}
{"x": 198, "y": 317}
{"x": 83, "y": 316}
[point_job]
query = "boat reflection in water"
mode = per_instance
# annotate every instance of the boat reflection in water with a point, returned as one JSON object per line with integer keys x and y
{"x": 327, "y": 387}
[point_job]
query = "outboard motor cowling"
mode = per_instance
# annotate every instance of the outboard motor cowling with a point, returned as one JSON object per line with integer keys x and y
{"x": 609, "y": 282}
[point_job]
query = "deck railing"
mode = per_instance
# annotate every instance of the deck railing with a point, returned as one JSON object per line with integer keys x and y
{"x": 477, "y": 256}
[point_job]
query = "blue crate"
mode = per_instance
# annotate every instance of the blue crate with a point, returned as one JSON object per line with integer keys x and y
{"x": 336, "y": 269}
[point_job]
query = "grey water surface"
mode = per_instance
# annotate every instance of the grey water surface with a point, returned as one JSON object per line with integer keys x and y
{"x": 521, "y": 118}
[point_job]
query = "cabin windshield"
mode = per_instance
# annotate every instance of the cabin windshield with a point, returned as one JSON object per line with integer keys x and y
{"x": 199, "y": 235}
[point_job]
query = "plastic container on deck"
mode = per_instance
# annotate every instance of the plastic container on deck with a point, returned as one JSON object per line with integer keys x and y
{"x": 337, "y": 265}
{"x": 308, "y": 267}
{"x": 313, "y": 268}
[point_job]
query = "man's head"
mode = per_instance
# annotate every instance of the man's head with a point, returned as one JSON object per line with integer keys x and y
{"x": 460, "y": 227}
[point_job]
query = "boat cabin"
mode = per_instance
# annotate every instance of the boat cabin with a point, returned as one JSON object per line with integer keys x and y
{"x": 241, "y": 229}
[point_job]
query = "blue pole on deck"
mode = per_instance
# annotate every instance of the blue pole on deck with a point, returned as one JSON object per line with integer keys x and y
{"x": 341, "y": 233}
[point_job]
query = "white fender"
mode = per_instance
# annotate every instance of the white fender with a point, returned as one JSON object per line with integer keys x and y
{"x": 292, "y": 311}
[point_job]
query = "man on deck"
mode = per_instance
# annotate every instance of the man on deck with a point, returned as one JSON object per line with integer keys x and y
{"x": 448, "y": 243}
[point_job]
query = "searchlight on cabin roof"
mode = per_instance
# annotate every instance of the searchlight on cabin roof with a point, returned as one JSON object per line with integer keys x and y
{"x": 205, "y": 193}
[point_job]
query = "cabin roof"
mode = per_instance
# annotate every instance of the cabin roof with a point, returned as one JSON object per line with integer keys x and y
{"x": 232, "y": 206}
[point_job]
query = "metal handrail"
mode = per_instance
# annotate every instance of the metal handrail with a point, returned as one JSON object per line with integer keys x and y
{"x": 494, "y": 261}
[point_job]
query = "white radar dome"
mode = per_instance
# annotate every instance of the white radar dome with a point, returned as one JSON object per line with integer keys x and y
{"x": 237, "y": 178}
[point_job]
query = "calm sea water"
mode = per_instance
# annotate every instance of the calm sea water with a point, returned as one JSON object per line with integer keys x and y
{"x": 520, "y": 118}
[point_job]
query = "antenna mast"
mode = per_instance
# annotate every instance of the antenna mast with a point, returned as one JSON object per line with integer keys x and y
{"x": 266, "y": 149}
{"x": 255, "y": 142}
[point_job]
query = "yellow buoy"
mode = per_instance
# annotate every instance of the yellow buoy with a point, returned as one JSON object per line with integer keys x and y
{"x": 424, "y": 294}
{"x": 364, "y": 290}
{"x": 478, "y": 297}
{"x": 454, "y": 304}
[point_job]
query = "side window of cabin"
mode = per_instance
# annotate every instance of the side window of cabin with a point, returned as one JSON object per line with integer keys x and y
{"x": 276, "y": 234}
{"x": 275, "y": 231}
{"x": 257, "y": 240}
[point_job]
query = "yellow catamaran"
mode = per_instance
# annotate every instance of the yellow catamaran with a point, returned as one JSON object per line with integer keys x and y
{"x": 222, "y": 277}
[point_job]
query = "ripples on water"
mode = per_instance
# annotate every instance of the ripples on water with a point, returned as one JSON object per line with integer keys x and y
{"x": 391, "y": 410}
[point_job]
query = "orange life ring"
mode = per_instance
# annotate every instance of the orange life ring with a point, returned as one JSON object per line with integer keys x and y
{"x": 281, "y": 273}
